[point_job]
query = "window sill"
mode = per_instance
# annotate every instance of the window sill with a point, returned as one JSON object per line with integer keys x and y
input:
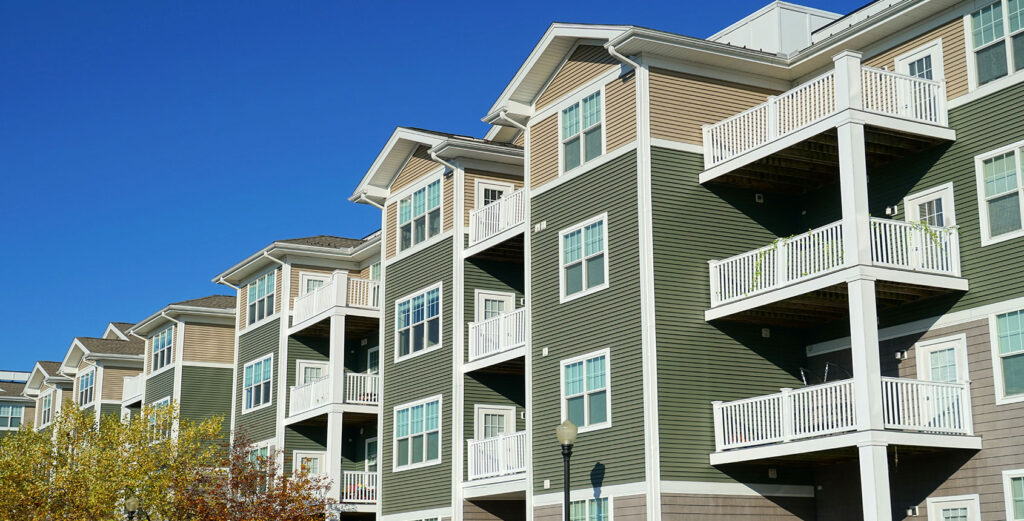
{"x": 989, "y": 241}
{"x": 421, "y": 246}
{"x": 418, "y": 353}
{"x": 562, "y": 299}
{"x": 597, "y": 427}
{"x": 259, "y": 323}
{"x": 254, "y": 409}
{"x": 1007, "y": 400}
{"x": 416, "y": 466}
{"x": 162, "y": 370}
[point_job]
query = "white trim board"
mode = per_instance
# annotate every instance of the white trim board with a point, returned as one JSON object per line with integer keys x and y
{"x": 419, "y": 514}
{"x": 629, "y": 489}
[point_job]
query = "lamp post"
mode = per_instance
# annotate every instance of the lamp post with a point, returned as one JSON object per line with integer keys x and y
{"x": 131, "y": 507}
{"x": 566, "y": 433}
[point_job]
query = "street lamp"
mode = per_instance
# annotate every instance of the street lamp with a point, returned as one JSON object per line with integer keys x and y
{"x": 131, "y": 507}
{"x": 566, "y": 433}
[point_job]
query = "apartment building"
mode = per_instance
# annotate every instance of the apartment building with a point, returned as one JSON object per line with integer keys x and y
{"x": 97, "y": 368}
{"x": 769, "y": 274}
{"x": 15, "y": 408}
{"x": 49, "y": 390}
{"x": 188, "y": 360}
{"x": 306, "y": 362}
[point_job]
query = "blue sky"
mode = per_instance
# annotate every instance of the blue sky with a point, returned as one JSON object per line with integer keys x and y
{"x": 147, "y": 146}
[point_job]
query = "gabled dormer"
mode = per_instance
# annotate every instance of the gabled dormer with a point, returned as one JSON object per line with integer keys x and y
{"x": 49, "y": 389}
{"x": 98, "y": 368}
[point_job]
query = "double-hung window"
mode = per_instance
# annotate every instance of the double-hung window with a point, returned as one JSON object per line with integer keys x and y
{"x": 1013, "y": 492}
{"x": 583, "y": 250}
{"x": 10, "y": 416}
{"x": 86, "y": 387}
{"x": 162, "y": 348}
{"x": 581, "y": 132}
{"x": 261, "y": 297}
{"x": 419, "y": 216}
{"x": 418, "y": 433}
{"x": 1008, "y": 355}
{"x": 257, "y": 376}
{"x": 592, "y": 509}
{"x": 418, "y": 322}
{"x": 997, "y": 39}
{"x": 46, "y": 410}
{"x": 585, "y": 391}
{"x": 1000, "y": 176}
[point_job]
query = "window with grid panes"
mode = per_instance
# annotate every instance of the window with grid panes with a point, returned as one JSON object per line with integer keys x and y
{"x": 584, "y": 258}
{"x": 257, "y": 376}
{"x": 162, "y": 348}
{"x": 46, "y": 410}
{"x": 997, "y": 38}
{"x": 10, "y": 416}
{"x": 418, "y": 434}
{"x": 1013, "y": 488}
{"x": 585, "y": 391}
{"x": 418, "y": 322}
{"x": 419, "y": 216}
{"x": 86, "y": 387}
{"x": 1002, "y": 192}
{"x": 1010, "y": 343}
{"x": 582, "y": 138}
{"x": 261, "y": 297}
{"x": 594, "y": 509}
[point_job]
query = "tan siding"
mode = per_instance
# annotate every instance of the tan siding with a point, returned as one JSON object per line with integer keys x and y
{"x": 29, "y": 415}
{"x": 448, "y": 205}
{"x": 209, "y": 343}
{"x": 277, "y": 290}
{"x": 469, "y": 193}
{"x": 113, "y": 381}
{"x": 954, "y": 55}
{"x": 620, "y": 105}
{"x": 520, "y": 140}
{"x": 297, "y": 271}
{"x": 419, "y": 165}
{"x": 391, "y": 230}
{"x": 147, "y": 357}
{"x": 702, "y": 508}
{"x": 243, "y": 308}
{"x": 630, "y": 507}
{"x": 586, "y": 63}
{"x": 361, "y": 274}
{"x": 498, "y": 510}
{"x": 67, "y": 395}
{"x": 544, "y": 152}
{"x": 681, "y": 103}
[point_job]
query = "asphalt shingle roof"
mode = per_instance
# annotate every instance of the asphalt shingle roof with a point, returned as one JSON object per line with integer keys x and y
{"x": 123, "y": 326}
{"x": 51, "y": 368}
{"x": 212, "y": 301}
{"x": 325, "y": 241}
{"x": 113, "y": 346}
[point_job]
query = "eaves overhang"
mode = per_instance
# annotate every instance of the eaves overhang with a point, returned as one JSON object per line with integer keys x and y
{"x": 175, "y": 311}
{"x": 480, "y": 150}
{"x": 275, "y": 251}
{"x": 402, "y": 143}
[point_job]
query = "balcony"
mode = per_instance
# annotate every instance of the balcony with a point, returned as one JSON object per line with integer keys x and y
{"x": 902, "y": 114}
{"x": 342, "y": 291}
{"x": 816, "y": 418}
{"x": 134, "y": 386}
{"x": 497, "y": 222}
{"x": 359, "y": 487}
{"x": 800, "y": 264}
{"x": 360, "y": 389}
{"x": 497, "y": 339}
{"x": 503, "y": 456}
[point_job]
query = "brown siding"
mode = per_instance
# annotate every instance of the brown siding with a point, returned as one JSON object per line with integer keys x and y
{"x": 297, "y": 270}
{"x": 391, "y": 232}
{"x": 681, "y": 103}
{"x": 954, "y": 55}
{"x": 29, "y": 416}
{"x": 448, "y": 205}
{"x": 544, "y": 152}
{"x": 209, "y": 343}
{"x": 705, "y": 507}
{"x": 630, "y": 507}
{"x": 501, "y": 510}
{"x": 113, "y": 381}
{"x": 469, "y": 193}
{"x": 620, "y": 104}
{"x": 419, "y": 165}
{"x": 586, "y": 63}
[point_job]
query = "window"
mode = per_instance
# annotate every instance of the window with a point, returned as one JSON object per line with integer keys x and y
{"x": 309, "y": 371}
{"x": 1008, "y": 355}
{"x": 10, "y": 416}
{"x": 371, "y": 455}
{"x": 418, "y": 323}
{"x": 954, "y": 508}
{"x": 46, "y": 409}
{"x": 418, "y": 434}
{"x": 312, "y": 462}
{"x": 162, "y": 350}
{"x": 584, "y": 258}
{"x": 309, "y": 282}
{"x": 493, "y": 420}
{"x": 585, "y": 391}
{"x": 257, "y": 376}
{"x": 581, "y": 132}
{"x": 594, "y": 509}
{"x": 490, "y": 304}
{"x": 1013, "y": 492}
{"x": 488, "y": 192}
{"x": 86, "y": 389}
{"x": 419, "y": 216}
{"x": 933, "y": 207}
{"x": 1001, "y": 193}
{"x": 997, "y": 39}
{"x": 261, "y": 297}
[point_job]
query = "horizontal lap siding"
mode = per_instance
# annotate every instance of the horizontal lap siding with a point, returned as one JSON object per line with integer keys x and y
{"x": 503, "y": 510}
{"x": 586, "y": 63}
{"x": 302, "y": 437}
{"x": 469, "y": 194}
{"x": 160, "y": 386}
{"x": 954, "y": 55}
{"x": 700, "y": 362}
{"x": 296, "y": 275}
{"x": 300, "y": 347}
{"x": 206, "y": 393}
{"x": 113, "y": 382}
{"x": 110, "y": 409}
{"x": 418, "y": 165}
{"x": 448, "y": 205}
{"x": 209, "y": 343}
{"x": 691, "y": 507}
{"x": 260, "y": 424}
{"x": 507, "y": 277}
{"x": 417, "y": 378}
{"x": 544, "y": 151}
{"x": 508, "y": 390}
{"x": 620, "y": 104}
{"x": 609, "y": 318}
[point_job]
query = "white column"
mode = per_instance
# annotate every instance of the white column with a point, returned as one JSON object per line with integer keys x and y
{"x": 853, "y": 184}
{"x": 867, "y": 368}
{"x": 874, "y": 481}
{"x": 333, "y": 458}
{"x": 847, "y": 81}
{"x": 336, "y": 370}
{"x": 340, "y": 287}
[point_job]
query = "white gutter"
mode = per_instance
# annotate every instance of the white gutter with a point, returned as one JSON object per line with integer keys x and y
{"x": 362, "y": 198}
{"x": 228, "y": 284}
{"x": 504, "y": 115}
{"x": 433, "y": 155}
{"x": 615, "y": 54}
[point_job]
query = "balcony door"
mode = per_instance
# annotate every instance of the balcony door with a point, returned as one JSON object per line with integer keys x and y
{"x": 373, "y": 360}
{"x": 371, "y": 454}
{"x": 926, "y": 63}
{"x": 490, "y": 304}
{"x": 942, "y": 360}
{"x": 488, "y": 191}
{"x": 309, "y": 371}
{"x": 494, "y": 420}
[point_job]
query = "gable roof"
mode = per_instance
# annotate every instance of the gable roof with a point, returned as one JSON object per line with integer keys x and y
{"x": 215, "y": 307}
{"x": 317, "y": 246}
{"x": 41, "y": 371}
{"x": 212, "y": 302}
{"x": 12, "y": 391}
{"x": 108, "y": 346}
{"x": 49, "y": 367}
{"x": 326, "y": 241}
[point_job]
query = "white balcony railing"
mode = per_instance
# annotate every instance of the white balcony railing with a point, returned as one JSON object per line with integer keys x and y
{"x": 359, "y": 487}
{"x": 894, "y": 244}
{"x": 360, "y": 389}
{"x": 504, "y": 214}
{"x": 882, "y": 92}
{"x": 822, "y": 410}
{"x": 133, "y": 387}
{"x": 341, "y": 290}
{"x": 502, "y": 455}
{"x": 497, "y": 334}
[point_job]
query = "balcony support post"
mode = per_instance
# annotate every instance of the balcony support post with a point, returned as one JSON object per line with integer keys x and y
{"x": 867, "y": 366}
{"x": 333, "y": 456}
{"x": 853, "y": 184}
{"x": 849, "y": 94}
{"x": 874, "y": 481}
{"x": 341, "y": 287}
{"x": 336, "y": 364}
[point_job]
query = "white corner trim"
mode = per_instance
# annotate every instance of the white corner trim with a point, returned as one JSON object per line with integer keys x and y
{"x": 677, "y": 145}
{"x": 627, "y": 489}
{"x": 419, "y": 514}
{"x": 584, "y": 169}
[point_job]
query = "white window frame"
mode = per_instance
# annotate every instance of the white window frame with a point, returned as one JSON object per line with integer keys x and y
{"x": 20, "y": 417}
{"x": 562, "y": 297}
{"x": 366, "y": 454}
{"x": 43, "y": 420}
{"x": 374, "y": 349}
{"x": 574, "y": 100}
{"x": 169, "y": 349}
{"x": 319, "y": 455}
{"x": 606, "y": 353}
{"x": 91, "y": 373}
{"x": 925, "y": 348}
{"x": 997, "y": 363}
{"x": 271, "y": 291}
{"x": 306, "y": 276}
{"x": 440, "y": 321}
{"x": 1007, "y": 38}
{"x": 409, "y": 193}
{"x": 478, "y": 425}
{"x": 1008, "y": 492}
{"x": 302, "y": 364}
{"x": 933, "y": 49}
{"x": 944, "y": 191}
{"x": 586, "y": 506}
{"x": 479, "y": 185}
{"x": 481, "y": 294}
{"x": 394, "y": 437}
{"x": 979, "y": 161}
{"x": 270, "y": 393}
{"x": 162, "y": 402}
{"x": 935, "y": 504}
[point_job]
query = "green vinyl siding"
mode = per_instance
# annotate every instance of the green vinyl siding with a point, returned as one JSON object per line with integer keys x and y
{"x": 205, "y": 393}
{"x": 700, "y": 362}
{"x": 503, "y": 276}
{"x": 502, "y": 389}
{"x": 303, "y": 437}
{"x": 609, "y": 318}
{"x": 90, "y": 410}
{"x": 353, "y": 446}
{"x": 302, "y": 347}
{"x": 416, "y": 378}
{"x": 260, "y": 424}
{"x": 110, "y": 408}
{"x": 160, "y": 386}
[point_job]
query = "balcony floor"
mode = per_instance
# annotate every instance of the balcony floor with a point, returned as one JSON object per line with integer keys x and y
{"x": 506, "y": 245}
{"x": 512, "y": 486}
{"x": 351, "y": 414}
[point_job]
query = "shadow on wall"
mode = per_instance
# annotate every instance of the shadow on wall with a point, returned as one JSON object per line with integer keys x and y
{"x": 784, "y": 348}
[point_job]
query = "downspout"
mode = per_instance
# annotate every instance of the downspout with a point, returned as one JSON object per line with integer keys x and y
{"x": 615, "y": 54}
{"x": 504, "y": 115}
{"x": 433, "y": 155}
{"x": 228, "y": 284}
{"x": 363, "y": 199}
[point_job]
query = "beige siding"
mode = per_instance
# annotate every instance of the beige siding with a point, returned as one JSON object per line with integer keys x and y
{"x": 469, "y": 193}
{"x": 544, "y": 151}
{"x": 209, "y": 343}
{"x": 520, "y": 140}
{"x": 419, "y": 165}
{"x": 496, "y": 510}
{"x": 630, "y": 507}
{"x": 620, "y": 105}
{"x": 29, "y": 415}
{"x": 681, "y": 103}
{"x": 243, "y": 308}
{"x": 586, "y": 63}
{"x": 677, "y": 507}
{"x": 66, "y": 395}
{"x": 277, "y": 290}
{"x": 297, "y": 271}
{"x": 448, "y": 205}
{"x": 113, "y": 381}
{"x": 954, "y": 55}
{"x": 391, "y": 231}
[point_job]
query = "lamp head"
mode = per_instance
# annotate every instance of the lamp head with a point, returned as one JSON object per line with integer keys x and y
{"x": 131, "y": 504}
{"x": 566, "y": 433}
